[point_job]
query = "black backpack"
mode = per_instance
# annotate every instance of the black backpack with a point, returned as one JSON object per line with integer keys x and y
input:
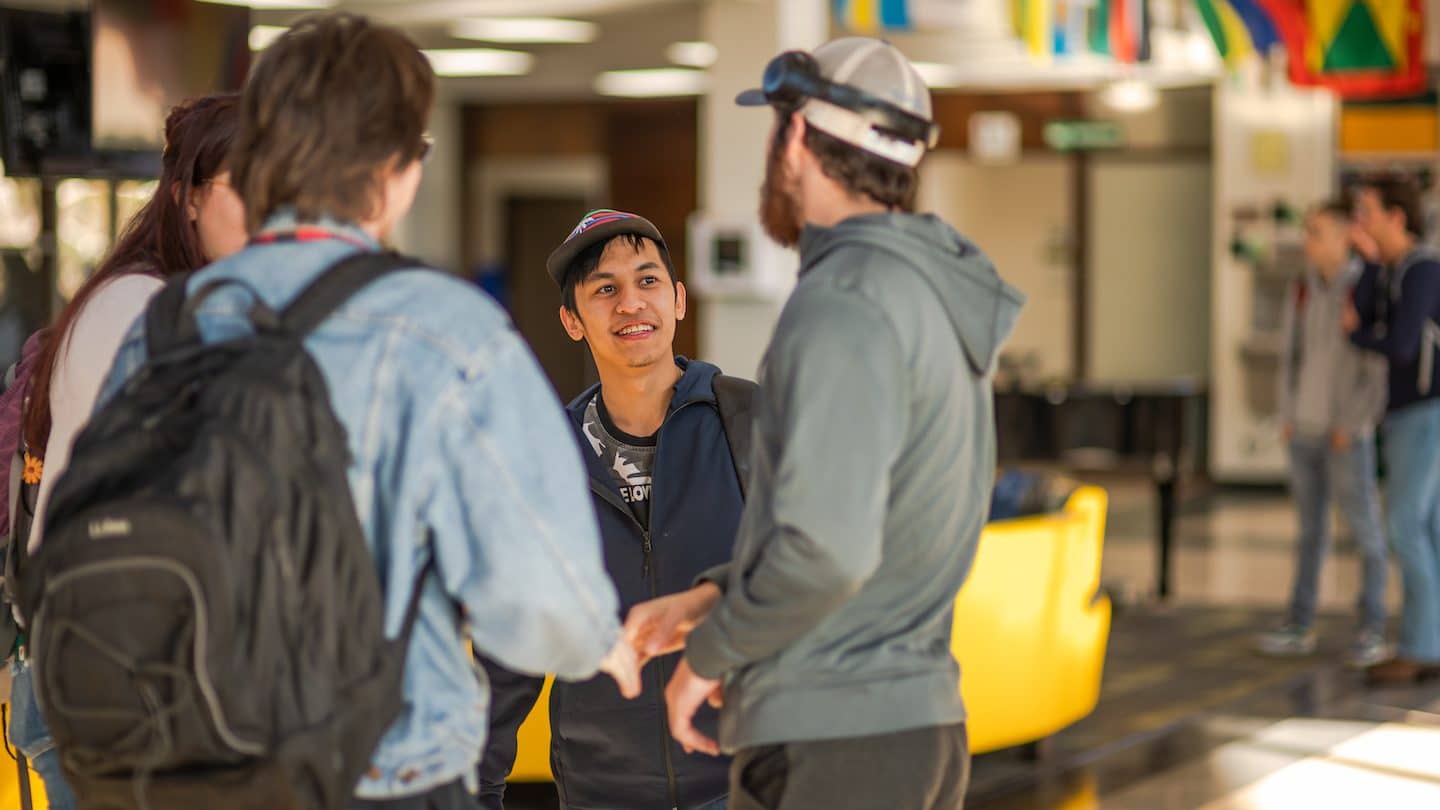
{"x": 206, "y": 619}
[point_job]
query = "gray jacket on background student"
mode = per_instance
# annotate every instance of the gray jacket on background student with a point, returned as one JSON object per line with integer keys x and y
{"x": 1326, "y": 383}
{"x": 872, "y": 465}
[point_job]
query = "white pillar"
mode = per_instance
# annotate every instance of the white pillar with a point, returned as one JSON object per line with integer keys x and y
{"x": 732, "y": 145}
{"x": 432, "y": 229}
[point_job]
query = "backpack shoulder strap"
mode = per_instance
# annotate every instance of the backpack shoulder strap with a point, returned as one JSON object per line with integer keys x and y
{"x": 735, "y": 397}
{"x": 162, "y": 317}
{"x": 336, "y": 285}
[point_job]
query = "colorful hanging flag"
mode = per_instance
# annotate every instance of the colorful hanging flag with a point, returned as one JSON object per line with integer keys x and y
{"x": 1124, "y": 30}
{"x": 1261, "y": 27}
{"x": 872, "y": 16}
{"x": 1233, "y": 39}
{"x": 1035, "y": 25}
{"x": 1072, "y": 22}
{"x": 878, "y": 16}
{"x": 1359, "y": 48}
{"x": 1099, "y": 28}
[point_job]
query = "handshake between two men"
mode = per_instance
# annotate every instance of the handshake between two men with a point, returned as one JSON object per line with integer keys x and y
{"x": 660, "y": 627}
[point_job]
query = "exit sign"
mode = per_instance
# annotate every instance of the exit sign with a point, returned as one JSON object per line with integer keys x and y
{"x": 1074, "y": 136}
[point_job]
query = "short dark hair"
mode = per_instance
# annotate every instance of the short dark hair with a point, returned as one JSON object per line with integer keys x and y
{"x": 583, "y": 266}
{"x": 328, "y": 104}
{"x": 1334, "y": 207}
{"x": 1398, "y": 193}
{"x": 889, "y": 183}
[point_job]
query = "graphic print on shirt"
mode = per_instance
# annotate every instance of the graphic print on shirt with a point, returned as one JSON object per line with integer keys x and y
{"x": 631, "y": 464}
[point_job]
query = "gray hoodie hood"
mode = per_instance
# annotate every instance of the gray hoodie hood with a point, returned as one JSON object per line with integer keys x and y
{"x": 982, "y": 308}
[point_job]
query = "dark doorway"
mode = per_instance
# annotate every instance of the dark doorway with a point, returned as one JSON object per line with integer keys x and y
{"x": 536, "y": 225}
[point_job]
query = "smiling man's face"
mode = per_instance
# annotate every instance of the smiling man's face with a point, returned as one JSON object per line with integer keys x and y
{"x": 626, "y": 310}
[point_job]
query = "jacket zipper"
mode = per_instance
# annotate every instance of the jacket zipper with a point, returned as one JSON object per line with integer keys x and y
{"x": 670, "y": 779}
{"x": 648, "y": 572}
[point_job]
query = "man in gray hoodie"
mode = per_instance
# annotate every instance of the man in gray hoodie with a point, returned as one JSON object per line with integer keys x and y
{"x": 1331, "y": 395}
{"x": 828, "y": 637}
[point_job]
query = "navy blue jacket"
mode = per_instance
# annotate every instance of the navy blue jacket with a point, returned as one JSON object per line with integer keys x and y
{"x": 1400, "y": 318}
{"x": 608, "y": 752}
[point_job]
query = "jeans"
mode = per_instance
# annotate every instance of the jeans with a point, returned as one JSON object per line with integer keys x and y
{"x": 1319, "y": 474}
{"x": 1412, "y": 490}
{"x": 31, "y": 737}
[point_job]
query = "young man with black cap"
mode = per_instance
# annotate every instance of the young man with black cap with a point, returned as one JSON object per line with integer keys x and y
{"x": 660, "y": 435}
{"x": 871, "y": 472}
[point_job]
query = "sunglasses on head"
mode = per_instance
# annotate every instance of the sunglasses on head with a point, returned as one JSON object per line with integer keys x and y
{"x": 794, "y": 77}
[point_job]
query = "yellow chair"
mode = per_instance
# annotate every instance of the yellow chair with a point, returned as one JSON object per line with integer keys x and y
{"x": 1031, "y": 628}
{"x": 1031, "y": 625}
{"x": 10, "y": 782}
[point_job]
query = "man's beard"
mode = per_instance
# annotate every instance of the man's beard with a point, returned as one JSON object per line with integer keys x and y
{"x": 779, "y": 208}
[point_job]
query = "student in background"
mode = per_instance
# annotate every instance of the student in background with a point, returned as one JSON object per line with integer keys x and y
{"x": 1396, "y": 315}
{"x": 1332, "y": 396}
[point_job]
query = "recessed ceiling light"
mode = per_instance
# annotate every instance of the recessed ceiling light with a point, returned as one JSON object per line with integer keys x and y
{"x": 479, "y": 62}
{"x": 651, "y": 83}
{"x": 262, "y": 36}
{"x": 692, "y": 54}
{"x": 525, "y": 29}
{"x": 1130, "y": 95}
{"x": 276, "y": 4}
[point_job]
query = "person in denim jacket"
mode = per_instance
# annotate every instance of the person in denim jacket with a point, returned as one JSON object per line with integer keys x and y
{"x": 459, "y": 447}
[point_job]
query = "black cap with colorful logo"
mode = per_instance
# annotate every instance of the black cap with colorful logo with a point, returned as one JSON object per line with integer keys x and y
{"x": 600, "y": 226}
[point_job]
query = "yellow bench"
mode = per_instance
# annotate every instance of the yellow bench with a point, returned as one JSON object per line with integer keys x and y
{"x": 1030, "y": 633}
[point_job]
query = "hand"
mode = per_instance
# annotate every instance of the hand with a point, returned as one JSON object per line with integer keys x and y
{"x": 1288, "y": 431}
{"x": 682, "y": 699}
{"x": 1364, "y": 244}
{"x": 623, "y": 665}
{"x": 1339, "y": 441}
{"x": 1349, "y": 318}
{"x": 660, "y": 626}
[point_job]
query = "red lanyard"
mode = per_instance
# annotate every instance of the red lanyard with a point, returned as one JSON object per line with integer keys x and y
{"x": 308, "y": 233}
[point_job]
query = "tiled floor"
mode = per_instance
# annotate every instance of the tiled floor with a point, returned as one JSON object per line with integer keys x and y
{"x": 1310, "y": 738}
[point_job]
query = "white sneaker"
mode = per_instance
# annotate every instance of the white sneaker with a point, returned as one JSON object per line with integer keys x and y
{"x": 1288, "y": 641}
{"x": 1367, "y": 649}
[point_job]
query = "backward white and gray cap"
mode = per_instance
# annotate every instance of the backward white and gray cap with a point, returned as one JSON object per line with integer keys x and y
{"x": 877, "y": 68}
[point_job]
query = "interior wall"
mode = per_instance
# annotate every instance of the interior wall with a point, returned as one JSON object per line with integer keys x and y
{"x": 432, "y": 230}
{"x": 633, "y": 156}
{"x": 1021, "y": 216}
{"x": 1149, "y": 277}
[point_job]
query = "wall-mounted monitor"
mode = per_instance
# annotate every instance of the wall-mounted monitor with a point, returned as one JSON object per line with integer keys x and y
{"x": 44, "y": 88}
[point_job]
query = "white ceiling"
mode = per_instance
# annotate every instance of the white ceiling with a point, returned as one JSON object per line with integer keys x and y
{"x": 635, "y": 34}
{"x": 632, "y": 34}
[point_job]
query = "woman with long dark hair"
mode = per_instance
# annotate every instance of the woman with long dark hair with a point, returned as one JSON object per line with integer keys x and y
{"x": 194, "y": 218}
